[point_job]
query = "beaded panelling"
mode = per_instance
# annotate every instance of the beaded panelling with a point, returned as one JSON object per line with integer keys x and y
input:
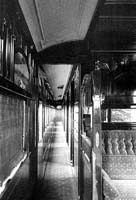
{"x": 119, "y": 153}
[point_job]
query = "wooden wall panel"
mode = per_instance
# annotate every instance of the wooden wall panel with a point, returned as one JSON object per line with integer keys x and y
{"x": 11, "y": 132}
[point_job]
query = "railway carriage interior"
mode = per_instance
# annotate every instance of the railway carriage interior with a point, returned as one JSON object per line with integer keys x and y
{"x": 68, "y": 100}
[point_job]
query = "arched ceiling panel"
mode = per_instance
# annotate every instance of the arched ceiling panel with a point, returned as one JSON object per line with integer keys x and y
{"x": 58, "y": 76}
{"x": 53, "y": 22}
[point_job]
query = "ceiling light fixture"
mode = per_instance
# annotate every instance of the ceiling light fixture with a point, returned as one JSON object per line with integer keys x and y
{"x": 60, "y": 87}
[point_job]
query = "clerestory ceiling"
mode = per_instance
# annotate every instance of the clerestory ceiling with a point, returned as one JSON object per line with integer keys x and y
{"x": 53, "y": 22}
{"x": 79, "y": 31}
{"x": 58, "y": 76}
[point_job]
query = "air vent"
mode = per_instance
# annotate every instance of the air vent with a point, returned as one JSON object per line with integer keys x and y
{"x": 60, "y": 87}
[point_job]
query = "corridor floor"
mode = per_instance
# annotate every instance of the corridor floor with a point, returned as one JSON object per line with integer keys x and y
{"x": 59, "y": 180}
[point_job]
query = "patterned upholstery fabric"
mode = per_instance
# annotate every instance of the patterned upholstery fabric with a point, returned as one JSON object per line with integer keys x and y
{"x": 109, "y": 189}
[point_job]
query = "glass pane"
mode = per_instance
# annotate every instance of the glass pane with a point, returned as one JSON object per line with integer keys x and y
{"x": 1, "y": 54}
{"x": 123, "y": 115}
{"x": 104, "y": 115}
{"x": 21, "y": 71}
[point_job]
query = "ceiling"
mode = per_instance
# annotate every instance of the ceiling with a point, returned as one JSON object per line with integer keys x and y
{"x": 53, "y": 22}
{"x": 79, "y": 31}
{"x": 58, "y": 76}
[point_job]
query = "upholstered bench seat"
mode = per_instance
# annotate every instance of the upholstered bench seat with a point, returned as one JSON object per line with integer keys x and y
{"x": 126, "y": 189}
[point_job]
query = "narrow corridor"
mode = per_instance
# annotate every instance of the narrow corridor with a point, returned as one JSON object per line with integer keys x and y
{"x": 59, "y": 180}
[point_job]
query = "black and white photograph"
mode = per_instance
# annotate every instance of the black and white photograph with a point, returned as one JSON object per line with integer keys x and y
{"x": 67, "y": 99}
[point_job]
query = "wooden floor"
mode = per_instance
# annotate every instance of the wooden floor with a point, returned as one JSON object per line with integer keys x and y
{"x": 59, "y": 180}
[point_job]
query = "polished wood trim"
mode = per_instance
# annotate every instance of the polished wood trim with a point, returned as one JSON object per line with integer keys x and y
{"x": 118, "y": 126}
{"x": 120, "y": 2}
{"x": 7, "y": 86}
{"x": 117, "y": 17}
{"x": 113, "y": 51}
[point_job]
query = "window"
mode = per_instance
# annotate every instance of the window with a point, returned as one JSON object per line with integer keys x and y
{"x": 119, "y": 115}
{"x": 123, "y": 115}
